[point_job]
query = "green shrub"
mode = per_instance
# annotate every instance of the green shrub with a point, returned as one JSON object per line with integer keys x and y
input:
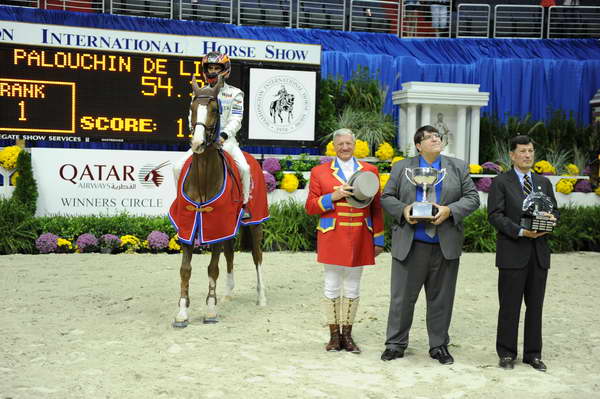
{"x": 289, "y": 228}
{"x": 17, "y": 228}
{"x": 26, "y": 188}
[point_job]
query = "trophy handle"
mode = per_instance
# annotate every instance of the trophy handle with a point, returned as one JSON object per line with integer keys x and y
{"x": 443, "y": 174}
{"x": 411, "y": 177}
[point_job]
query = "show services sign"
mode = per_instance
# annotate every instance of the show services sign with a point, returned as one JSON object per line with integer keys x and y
{"x": 282, "y": 105}
{"x": 103, "y": 182}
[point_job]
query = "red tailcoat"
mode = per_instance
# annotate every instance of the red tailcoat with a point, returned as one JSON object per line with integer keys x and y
{"x": 346, "y": 235}
{"x": 219, "y": 216}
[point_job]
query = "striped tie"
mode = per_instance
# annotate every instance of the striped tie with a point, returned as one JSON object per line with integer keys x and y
{"x": 526, "y": 185}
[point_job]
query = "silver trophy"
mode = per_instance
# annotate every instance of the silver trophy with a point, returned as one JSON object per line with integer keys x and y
{"x": 537, "y": 208}
{"x": 426, "y": 178}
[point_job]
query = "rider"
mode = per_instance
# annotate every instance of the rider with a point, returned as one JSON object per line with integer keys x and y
{"x": 215, "y": 65}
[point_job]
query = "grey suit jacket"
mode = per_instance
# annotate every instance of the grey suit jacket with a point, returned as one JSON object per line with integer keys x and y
{"x": 458, "y": 193}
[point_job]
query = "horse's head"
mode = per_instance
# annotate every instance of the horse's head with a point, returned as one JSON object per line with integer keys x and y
{"x": 204, "y": 115}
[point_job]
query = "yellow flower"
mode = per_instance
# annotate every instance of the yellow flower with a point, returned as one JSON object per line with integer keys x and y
{"x": 544, "y": 167}
{"x": 289, "y": 182}
{"x": 396, "y": 159}
{"x": 597, "y": 190}
{"x": 145, "y": 244}
{"x": 384, "y": 152}
{"x": 61, "y": 242}
{"x": 475, "y": 169}
{"x": 383, "y": 179}
{"x": 13, "y": 179}
{"x": 572, "y": 181}
{"x": 572, "y": 169}
{"x": 330, "y": 150}
{"x": 130, "y": 243}
{"x": 361, "y": 149}
{"x": 9, "y": 155}
{"x": 564, "y": 186}
{"x": 173, "y": 244}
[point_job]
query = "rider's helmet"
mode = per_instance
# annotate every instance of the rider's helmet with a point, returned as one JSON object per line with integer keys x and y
{"x": 216, "y": 58}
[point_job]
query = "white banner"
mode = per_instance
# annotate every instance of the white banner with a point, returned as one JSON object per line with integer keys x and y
{"x": 104, "y": 182}
{"x": 155, "y": 43}
{"x": 282, "y": 105}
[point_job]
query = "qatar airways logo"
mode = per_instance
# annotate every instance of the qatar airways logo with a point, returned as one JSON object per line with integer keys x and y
{"x": 113, "y": 177}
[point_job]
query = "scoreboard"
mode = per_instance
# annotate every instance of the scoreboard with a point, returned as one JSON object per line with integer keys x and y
{"x": 73, "y": 95}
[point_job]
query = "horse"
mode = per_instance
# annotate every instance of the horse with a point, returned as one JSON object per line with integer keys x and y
{"x": 285, "y": 103}
{"x": 209, "y": 174}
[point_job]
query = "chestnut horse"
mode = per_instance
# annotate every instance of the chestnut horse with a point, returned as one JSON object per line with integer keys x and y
{"x": 203, "y": 182}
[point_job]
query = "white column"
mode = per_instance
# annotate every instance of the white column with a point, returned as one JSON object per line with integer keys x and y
{"x": 426, "y": 115}
{"x": 403, "y": 120}
{"x": 474, "y": 150}
{"x": 461, "y": 133}
{"x": 411, "y": 128}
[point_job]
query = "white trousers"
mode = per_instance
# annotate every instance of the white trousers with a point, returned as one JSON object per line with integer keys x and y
{"x": 337, "y": 277}
{"x": 233, "y": 149}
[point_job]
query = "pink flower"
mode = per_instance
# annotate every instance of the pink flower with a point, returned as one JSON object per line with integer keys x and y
{"x": 270, "y": 181}
{"x": 583, "y": 186}
{"x": 484, "y": 184}
{"x": 271, "y": 165}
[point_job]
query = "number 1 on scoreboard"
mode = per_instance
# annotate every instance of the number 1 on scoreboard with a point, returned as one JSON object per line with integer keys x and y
{"x": 22, "y": 111}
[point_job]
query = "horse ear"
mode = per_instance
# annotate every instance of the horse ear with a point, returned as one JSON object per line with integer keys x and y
{"x": 195, "y": 86}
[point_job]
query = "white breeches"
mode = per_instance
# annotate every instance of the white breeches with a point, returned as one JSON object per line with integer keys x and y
{"x": 338, "y": 276}
{"x": 232, "y": 149}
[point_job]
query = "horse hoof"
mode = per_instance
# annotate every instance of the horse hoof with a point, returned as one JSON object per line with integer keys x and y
{"x": 180, "y": 324}
{"x": 261, "y": 302}
{"x": 211, "y": 320}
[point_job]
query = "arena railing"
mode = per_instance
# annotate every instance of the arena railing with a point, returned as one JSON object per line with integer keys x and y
{"x": 473, "y": 20}
{"x": 375, "y": 16}
{"x": 426, "y": 18}
{"x": 143, "y": 8}
{"x": 207, "y": 10}
{"x": 518, "y": 21}
{"x": 265, "y": 12}
{"x": 573, "y": 22}
{"x": 321, "y": 14}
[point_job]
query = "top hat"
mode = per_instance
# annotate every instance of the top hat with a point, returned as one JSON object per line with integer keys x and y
{"x": 365, "y": 185}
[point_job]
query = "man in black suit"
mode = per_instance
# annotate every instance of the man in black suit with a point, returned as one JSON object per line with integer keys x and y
{"x": 522, "y": 257}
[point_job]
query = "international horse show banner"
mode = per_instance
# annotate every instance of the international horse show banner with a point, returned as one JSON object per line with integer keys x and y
{"x": 103, "y": 182}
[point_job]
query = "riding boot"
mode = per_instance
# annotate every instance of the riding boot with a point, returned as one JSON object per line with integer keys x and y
{"x": 349, "y": 307}
{"x": 332, "y": 312}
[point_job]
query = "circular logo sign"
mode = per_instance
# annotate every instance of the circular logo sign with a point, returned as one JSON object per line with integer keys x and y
{"x": 282, "y": 104}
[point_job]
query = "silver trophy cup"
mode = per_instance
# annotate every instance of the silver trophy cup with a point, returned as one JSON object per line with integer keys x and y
{"x": 427, "y": 178}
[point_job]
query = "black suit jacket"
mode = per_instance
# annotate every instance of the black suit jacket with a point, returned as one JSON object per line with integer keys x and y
{"x": 505, "y": 203}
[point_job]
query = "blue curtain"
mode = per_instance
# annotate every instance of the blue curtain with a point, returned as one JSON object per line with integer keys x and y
{"x": 522, "y": 76}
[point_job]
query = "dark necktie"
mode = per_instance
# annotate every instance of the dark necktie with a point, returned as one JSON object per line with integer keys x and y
{"x": 526, "y": 185}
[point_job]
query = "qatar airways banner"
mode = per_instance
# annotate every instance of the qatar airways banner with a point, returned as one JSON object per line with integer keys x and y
{"x": 104, "y": 182}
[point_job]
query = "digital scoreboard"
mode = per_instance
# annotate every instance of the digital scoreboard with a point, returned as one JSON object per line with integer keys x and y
{"x": 66, "y": 94}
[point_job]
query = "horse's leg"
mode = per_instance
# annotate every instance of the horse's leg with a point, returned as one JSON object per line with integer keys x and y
{"x": 182, "y": 318}
{"x": 228, "y": 250}
{"x": 213, "y": 275}
{"x": 256, "y": 234}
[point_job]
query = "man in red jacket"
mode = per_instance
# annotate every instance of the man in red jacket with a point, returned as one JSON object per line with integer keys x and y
{"x": 350, "y": 235}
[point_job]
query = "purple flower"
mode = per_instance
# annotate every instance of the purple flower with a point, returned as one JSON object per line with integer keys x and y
{"x": 46, "y": 243}
{"x": 587, "y": 171}
{"x": 271, "y": 165}
{"x": 158, "y": 240}
{"x": 492, "y": 167}
{"x": 110, "y": 241}
{"x": 87, "y": 242}
{"x": 325, "y": 160}
{"x": 484, "y": 184}
{"x": 583, "y": 186}
{"x": 270, "y": 181}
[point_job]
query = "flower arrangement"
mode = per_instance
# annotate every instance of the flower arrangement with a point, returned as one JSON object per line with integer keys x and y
{"x": 475, "y": 169}
{"x": 325, "y": 160}
{"x": 46, "y": 243}
{"x": 9, "y": 155}
{"x": 361, "y": 149}
{"x": 86, "y": 243}
{"x": 64, "y": 246}
{"x": 330, "y": 150}
{"x": 484, "y": 184}
{"x": 583, "y": 186}
{"x": 396, "y": 159}
{"x": 491, "y": 167}
{"x": 597, "y": 190}
{"x": 289, "y": 182}
{"x": 270, "y": 181}
{"x": 271, "y": 165}
{"x": 384, "y": 151}
{"x": 572, "y": 181}
{"x": 174, "y": 244}
{"x": 564, "y": 186}
{"x": 572, "y": 169}
{"x": 157, "y": 240}
{"x": 130, "y": 243}
{"x": 383, "y": 179}
{"x": 109, "y": 243}
{"x": 544, "y": 168}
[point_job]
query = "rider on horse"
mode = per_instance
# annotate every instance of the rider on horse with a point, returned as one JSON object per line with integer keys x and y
{"x": 215, "y": 65}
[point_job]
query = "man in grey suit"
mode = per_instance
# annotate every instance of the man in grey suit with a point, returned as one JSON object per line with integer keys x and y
{"x": 426, "y": 253}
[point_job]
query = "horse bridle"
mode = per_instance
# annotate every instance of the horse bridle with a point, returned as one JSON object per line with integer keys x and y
{"x": 210, "y": 135}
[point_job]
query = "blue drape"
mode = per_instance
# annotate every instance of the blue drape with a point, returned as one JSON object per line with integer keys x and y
{"x": 522, "y": 76}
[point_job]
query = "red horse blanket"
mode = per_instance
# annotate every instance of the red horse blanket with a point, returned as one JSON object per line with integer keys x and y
{"x": 218, "y": 218}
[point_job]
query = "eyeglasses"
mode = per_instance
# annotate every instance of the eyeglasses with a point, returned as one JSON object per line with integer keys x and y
{"x": 431, "y": 136}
